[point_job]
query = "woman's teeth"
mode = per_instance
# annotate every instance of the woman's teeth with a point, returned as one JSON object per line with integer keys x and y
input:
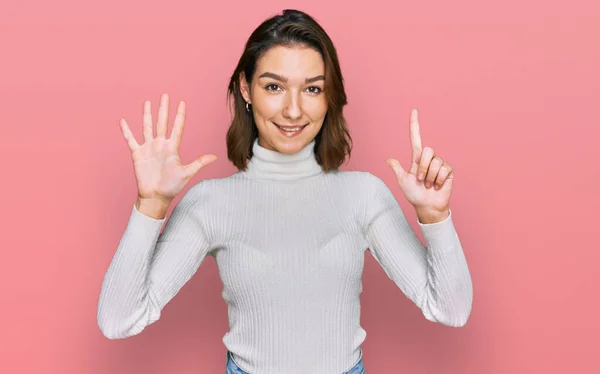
{"x": 291, "y": 130}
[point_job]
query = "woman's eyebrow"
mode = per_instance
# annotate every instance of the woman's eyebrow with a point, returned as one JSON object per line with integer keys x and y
{"x": 285, "y": 79}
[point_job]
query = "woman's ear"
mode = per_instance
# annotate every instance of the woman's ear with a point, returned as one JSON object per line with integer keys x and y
{"x": 244, "y": 88}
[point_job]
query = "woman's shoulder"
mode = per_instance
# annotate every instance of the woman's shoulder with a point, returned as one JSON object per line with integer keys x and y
{"x": 357, "y": 177}
{"x": 207, "y": 188}
{"x": 213, "y": 185}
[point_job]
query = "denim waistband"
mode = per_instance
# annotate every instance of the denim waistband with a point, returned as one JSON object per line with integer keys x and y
{"x": 233, "y": 368}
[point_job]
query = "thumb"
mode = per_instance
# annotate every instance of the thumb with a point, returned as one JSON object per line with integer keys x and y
{"x": 199, "y": 163}
{"x": 397, "y": 168}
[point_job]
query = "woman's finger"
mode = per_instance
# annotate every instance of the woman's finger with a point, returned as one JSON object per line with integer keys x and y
{"x": 147, "y": 121}
{"x": 426, "y": 156}
{"x": 195, "y": 166}
{"x": 415, "y": 137}
{"x": 177, "y": 130}
{"x": 163, "y": 117}
{"x": 131, "y": 142}
{"x": 441, "y": 176}
{"x": 434, "y": 168}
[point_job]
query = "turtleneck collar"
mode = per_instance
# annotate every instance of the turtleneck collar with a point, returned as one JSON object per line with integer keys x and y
{"x": 272, "y": 165}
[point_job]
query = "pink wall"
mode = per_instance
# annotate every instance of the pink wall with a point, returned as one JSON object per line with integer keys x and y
{"x": 507, "y": 92}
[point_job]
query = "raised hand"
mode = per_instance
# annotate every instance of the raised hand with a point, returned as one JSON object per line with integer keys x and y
{"x": 428, "y": 183}
{"x": 159, "y": 171}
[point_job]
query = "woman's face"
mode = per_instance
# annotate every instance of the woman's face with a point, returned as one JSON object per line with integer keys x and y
{"x": 287, "y": 91}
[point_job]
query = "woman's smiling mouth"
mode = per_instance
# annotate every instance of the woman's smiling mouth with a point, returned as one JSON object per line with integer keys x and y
{"x": 290, "y": 131}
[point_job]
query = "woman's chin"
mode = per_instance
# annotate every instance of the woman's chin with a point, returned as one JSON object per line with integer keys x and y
{"x": 289, "y": 146}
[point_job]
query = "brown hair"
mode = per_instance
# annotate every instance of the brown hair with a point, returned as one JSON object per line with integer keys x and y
{"x": 293, "y": 27}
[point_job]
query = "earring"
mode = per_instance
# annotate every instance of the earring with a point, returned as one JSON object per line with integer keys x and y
{"x": 247, "y": 106}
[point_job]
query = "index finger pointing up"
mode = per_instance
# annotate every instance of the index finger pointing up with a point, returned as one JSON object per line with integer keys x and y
{"x": 415, "y": 137}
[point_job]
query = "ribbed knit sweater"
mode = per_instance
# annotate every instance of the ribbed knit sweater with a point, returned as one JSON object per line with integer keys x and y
{"x": 289, "y": 241}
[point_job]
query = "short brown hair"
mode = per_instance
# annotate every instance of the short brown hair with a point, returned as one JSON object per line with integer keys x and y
{"x": 293, "y": 27}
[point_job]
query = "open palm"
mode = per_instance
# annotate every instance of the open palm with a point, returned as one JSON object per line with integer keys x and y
{"x": 159, "y": 171}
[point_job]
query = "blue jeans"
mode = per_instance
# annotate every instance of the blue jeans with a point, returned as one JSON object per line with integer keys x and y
{"x": 232, "y": 367}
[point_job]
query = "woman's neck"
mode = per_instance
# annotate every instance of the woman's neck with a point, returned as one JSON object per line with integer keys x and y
{"x": 266, "y": 164}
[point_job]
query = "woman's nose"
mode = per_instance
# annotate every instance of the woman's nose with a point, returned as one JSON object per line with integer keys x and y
{"x": 292, "y": 108}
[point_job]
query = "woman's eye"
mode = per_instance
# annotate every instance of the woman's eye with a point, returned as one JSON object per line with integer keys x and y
{"x": 274, "y": 87}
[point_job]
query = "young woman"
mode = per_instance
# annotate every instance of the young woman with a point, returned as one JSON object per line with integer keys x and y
{"x": 288, "y": 230}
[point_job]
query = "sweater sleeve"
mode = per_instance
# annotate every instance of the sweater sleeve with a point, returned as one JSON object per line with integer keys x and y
{"x": 149, "y": 268}
{"x": 436, "y": 277}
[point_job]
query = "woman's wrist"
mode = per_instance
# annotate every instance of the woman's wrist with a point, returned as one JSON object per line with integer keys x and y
{"x": 153, "y": 207}
{"x": 432, "y": 216}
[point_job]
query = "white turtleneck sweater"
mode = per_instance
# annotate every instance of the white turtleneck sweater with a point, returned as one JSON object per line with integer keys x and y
{"x": 289, "y": 241}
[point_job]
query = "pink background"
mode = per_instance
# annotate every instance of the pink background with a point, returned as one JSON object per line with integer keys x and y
{"x": 507, "y": 93}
